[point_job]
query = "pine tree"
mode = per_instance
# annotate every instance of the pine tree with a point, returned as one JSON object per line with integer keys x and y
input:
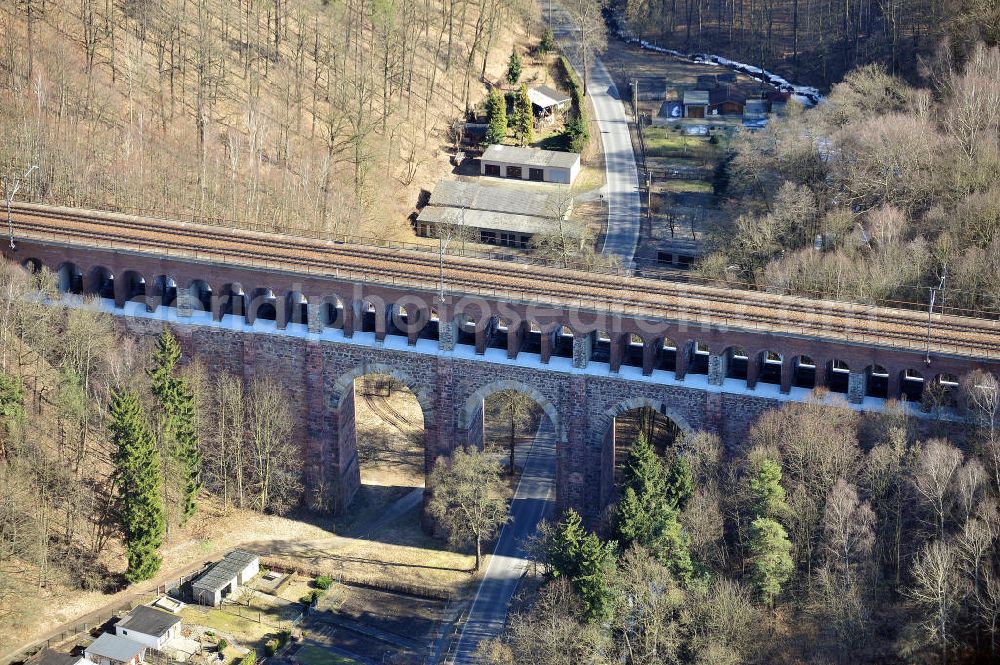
{"x": 585, "y": 561}
{"x": 187, "y": 452}
{"x": 137, "y": 480}
{"x": 647, "y": 513}
{"x": 496, "y": 118}
{"x": 766, "y": 490}
{"x": 771, "y": 559}
{"x": 175, "y": 421}
{"x": 548, "y": 42}
{"x": 523, "y": 117}
{"x": 680, "y": 483}
{"x": 592, "y": 581}
{"x": 514, "y": 67}
{"x": 563, "y": 551}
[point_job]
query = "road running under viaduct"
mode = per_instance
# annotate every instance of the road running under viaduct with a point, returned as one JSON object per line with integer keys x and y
{"x": 315, "y": 314}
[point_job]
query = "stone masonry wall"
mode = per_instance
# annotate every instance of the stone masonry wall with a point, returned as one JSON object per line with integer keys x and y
{"x": 317, "y": 375}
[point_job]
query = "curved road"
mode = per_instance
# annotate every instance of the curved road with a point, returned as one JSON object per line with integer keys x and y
{"x": 622, "y": 188}
{"x": 532, "y": 501}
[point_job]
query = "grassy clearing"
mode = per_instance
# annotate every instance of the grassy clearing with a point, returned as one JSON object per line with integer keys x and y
{"x": 686, "y": 186}
{"x": 247, "y": 631}
{"x": 314, "y": 655}
{"x": 664, "y": 142}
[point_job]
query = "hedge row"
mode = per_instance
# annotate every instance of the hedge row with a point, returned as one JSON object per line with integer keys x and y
{"x": 577, "y": 132}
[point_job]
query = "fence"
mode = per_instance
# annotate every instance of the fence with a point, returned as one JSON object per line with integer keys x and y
{"x": 96, "y": 620}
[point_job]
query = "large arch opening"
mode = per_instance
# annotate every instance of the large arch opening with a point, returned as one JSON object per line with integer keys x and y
{"x": 632, "y": 349}
{"x": 658, "y": 428}
{"x": 737, "y": 363}
{"x": 769, "y": 365}
{"x": 877, "y": 383}
{"x": 135, "y": 286}
{"x": 514, "y": 421}
{"x": 381, "y": 421}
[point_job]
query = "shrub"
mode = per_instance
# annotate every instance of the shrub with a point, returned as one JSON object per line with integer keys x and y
{"x": 283, "y": 637}
{"x": 324, "y": 582}
{"x": 309, "y": 598}
{"x": 271, "y": 646}
{"x": 250, "y": 658}
{"x": 221, "y": 645}
{"x": 548, "y": 41}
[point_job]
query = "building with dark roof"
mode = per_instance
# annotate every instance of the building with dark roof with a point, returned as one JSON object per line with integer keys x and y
{"x": 53, "y": 657}
{"x": 726, "y": 101}
{"x": 149, "y": 626}
{"x": 111, "y": 649}
{"x": 223, "y": 578}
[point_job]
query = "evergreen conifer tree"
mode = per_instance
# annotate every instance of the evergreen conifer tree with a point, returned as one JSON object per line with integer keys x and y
{"x": 680, "y": 483}
{"x": 523, "y": 117}
{"x": 771, "y": 563}
{"x": 137, "y": 481}
{"x": 647, "y": 513}
{"x": 175, "y": 421}
{"x": 563, "y": 551}
{"x": 496, "y": 118}
{"x": 514, "y": 67}
{"x": 593, "y": 579}
{"x": 766, "y": 490}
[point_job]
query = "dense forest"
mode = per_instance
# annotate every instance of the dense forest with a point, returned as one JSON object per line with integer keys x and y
{"x": 106, "y": 447}
{"x": 815, "y": 42}
{"x": 296, "y": 114}
{"x": 883, "y": 192}
{"x": 829, "y": 536}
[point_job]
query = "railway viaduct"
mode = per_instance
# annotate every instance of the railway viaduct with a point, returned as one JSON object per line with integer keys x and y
{"x": 315, "y": 314}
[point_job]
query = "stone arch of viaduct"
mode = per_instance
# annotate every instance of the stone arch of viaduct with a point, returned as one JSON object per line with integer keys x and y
{"x": 315, "y": 335}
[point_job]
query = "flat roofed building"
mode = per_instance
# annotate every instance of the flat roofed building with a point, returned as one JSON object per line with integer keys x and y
{"x": 149, "y": 626}
{"x": 501, "y": 197}
{"x": 223, "y": 578}
{"x": 517, "y": 163}
{"x": 501, "y": 214}
{"x": 489, "y": 228}
{"x": 111, "y": 649}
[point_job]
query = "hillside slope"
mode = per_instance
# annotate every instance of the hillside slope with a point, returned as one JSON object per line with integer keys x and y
{"x": 316, "y": 113}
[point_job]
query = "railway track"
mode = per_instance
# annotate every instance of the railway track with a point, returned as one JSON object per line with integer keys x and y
{"x": 548, "y": 286}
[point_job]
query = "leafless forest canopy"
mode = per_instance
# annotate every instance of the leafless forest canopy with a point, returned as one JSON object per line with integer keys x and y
{"x": 292, "y": 113}
{"x": 816, "y": 41}
{"x": 879, "y": 194}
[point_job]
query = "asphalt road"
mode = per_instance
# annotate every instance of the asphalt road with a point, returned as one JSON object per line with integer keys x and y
{"x": 622, "y": 188}
{"x": 533, "y": 500}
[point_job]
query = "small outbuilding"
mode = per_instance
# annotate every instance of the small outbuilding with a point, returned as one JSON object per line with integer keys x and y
{"x": 517, "y": 163}
{"x": 53, "y": 657}
{"x": 695, "y": 103}
{"x": 149, "y": 626}
{"x": 111, "y": 649}
{"x": 726, "y": 101}
{"x": 546, "y": 100}
{"x": 755, "y": 109}
{"x": 223, "y": 578}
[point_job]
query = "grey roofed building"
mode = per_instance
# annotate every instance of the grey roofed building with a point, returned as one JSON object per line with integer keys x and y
{"x": 695, "y": 97}
{"x": 481, "y": 219}
{"x": 531, "y": 156}
{"x": 514, "y": 200}
{"x": 236, "y": 568}
{"x": 545, "y": 97}
{"x": 115, "y": 649}
{"x": 148, "y": 621}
